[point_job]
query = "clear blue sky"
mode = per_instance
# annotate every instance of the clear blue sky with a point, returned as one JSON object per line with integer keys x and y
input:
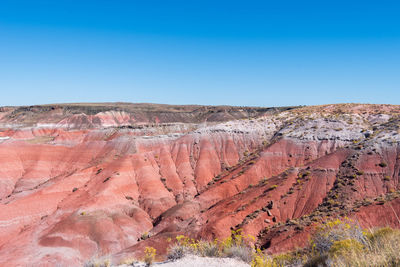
{"x": 259, "y": 53}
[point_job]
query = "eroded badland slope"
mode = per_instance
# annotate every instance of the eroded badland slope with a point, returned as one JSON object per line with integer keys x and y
{"x": 83, "y": 180}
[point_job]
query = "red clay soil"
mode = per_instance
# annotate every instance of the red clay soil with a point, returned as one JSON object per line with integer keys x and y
{"x": 92, "y": 181}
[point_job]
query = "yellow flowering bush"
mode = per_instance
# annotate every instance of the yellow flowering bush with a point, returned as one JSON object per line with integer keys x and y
{"x": 346, "y": 246}
{"x": 149, "y": 255}
{"x": 236, "y": 245}
{"x": 336, "y": 230}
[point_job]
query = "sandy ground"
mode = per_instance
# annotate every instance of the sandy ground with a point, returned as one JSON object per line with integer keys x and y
{"x": 195, "y": 261}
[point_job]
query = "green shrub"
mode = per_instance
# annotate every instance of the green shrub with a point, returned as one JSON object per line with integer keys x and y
{"x": 145, "y": 235}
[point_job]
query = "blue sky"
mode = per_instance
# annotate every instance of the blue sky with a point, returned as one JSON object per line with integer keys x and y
{"x": 258, "y": 53}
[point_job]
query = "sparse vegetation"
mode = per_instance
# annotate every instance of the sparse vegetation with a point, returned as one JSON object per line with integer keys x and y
{"x": 382, "y": 164}
{"x": 335, "y": 243}
{"x": 263, "y": 181}
{"x": 128, "y": 261}
{"x": 331, "y": 232}
{"x": 144, "y": 236}
{"x": 149, "y": 255}
{"x": 99, "y": 262}
{"x": 237, "y": 246}
{"x": 341, "y": 243}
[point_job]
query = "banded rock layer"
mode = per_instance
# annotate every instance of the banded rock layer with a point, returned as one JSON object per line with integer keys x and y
{"x": 82, "y": 181}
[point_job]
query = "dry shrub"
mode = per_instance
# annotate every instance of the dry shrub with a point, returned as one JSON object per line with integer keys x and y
{"x": 333, "y": 231}
{"x": 244, "y": 253}
{"x": 335, "y": 243}
{"x": 236, "y": 246}
{"x": 338, "y": 243}
{"x": 209, "y": 249}
{"x": 99, "y": 262}
{"x": 176, "y": 252}
{"x": 383, "y": 249}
